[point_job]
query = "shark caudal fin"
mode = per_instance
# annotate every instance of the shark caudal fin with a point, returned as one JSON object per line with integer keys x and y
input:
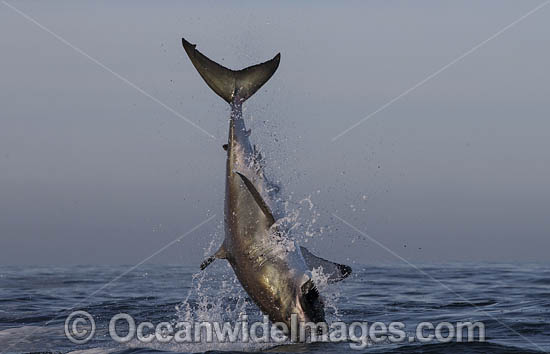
{"x": 231, "y": 85}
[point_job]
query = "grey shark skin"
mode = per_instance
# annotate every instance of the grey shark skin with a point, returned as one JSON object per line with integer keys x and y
{"x": 273, "y": 270}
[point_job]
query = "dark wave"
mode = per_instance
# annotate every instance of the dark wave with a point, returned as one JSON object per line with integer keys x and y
{"x": 454, "y": 348}
{"x": 513, "y": 301}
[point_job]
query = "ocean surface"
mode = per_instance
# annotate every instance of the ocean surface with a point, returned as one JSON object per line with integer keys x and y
{"x": 512, "y": 300}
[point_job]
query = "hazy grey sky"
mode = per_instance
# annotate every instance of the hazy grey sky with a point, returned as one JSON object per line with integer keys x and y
{"x": 92, "y": 171}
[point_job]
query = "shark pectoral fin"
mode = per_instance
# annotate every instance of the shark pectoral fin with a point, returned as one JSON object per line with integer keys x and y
{"x": 258, "y": 198}
{"x": 220, "y": 254}
{"x": 207, "y": 262}
{"x": 334, "y": 271}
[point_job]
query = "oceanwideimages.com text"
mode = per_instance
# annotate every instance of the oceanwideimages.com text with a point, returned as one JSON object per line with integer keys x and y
{"x": 80, "y": 328}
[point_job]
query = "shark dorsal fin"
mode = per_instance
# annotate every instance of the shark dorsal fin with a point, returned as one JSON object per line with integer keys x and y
{"x": 258, "y": 198}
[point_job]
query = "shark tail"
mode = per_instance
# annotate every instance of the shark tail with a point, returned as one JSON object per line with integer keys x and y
{"x": 234, "y": 86}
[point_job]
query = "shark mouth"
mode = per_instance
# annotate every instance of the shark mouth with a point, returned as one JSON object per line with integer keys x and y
{"x": 312, "y": 303}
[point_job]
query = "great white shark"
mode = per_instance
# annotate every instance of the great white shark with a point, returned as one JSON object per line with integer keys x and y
{"x": 274, "y": 271}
